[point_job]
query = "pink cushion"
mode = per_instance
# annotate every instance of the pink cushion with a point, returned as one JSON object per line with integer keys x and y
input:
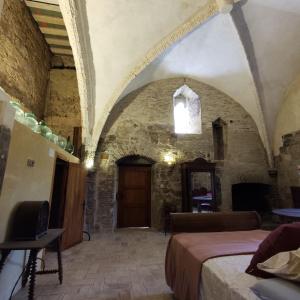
{"x": 286, "y": 237}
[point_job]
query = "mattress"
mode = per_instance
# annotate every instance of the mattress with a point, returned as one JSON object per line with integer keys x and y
{"x": 225, "y": 278}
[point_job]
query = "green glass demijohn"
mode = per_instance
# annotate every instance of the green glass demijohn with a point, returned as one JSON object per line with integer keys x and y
{"x": 45, "y": 131}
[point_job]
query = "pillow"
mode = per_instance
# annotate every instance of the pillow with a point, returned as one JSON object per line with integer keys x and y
{"x": 276, "y": 289}
{"x": 284, "y": 264}
{"x": 286, "y": 237}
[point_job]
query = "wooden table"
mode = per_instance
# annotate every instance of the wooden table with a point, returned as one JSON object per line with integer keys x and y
{"x": 288, "y": 213}
{"x": 52, "y": 236}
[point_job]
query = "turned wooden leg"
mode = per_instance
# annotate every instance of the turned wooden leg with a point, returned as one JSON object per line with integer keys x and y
{"x": 32, "y": 270}
{"x": 4, "y": 255}
{"x": 27, "y": 270}
{"x": 59, "y": 262}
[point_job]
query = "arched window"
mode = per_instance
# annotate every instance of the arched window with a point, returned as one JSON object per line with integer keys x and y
{"x": 187, "y": 111}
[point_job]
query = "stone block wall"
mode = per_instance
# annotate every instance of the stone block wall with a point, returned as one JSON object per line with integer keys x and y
{"x": 62, "y": 112}
{"x": 24, "y": 57}
{"x": 142, "y": 124}
{"x": 288, "y": 166}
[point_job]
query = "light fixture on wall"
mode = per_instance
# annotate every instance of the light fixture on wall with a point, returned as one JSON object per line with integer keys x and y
{"x": 89, "y": 163}
{"x": 169, "y": 158}
{"x": 89, "y": 158}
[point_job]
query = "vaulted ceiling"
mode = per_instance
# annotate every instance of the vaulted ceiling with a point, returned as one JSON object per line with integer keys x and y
{"x": 252, "y": 52}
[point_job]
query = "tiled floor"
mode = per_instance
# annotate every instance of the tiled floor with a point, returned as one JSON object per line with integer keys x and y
{"x": 128, "y": 264}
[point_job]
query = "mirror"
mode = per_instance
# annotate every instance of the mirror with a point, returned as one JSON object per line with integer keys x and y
{"x": 198, "y": 186}
{"x": 201, "y": 191}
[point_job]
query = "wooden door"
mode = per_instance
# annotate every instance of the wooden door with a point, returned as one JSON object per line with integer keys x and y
{"x": 134, "y": 196}
{"x": 74, "y": 206}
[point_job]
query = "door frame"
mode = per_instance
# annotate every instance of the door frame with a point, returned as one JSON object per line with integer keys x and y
{"x": 136, "y": 161}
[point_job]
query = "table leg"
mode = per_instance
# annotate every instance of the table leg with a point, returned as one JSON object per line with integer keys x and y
{"x": 4, "y": 256}
{"x": 27, "y": 269}
{"x": 32, "y": 270}
{"x": 59, "y": 262}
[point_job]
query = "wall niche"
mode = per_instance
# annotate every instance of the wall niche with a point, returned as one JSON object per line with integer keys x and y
{"x": 219, "y": 132}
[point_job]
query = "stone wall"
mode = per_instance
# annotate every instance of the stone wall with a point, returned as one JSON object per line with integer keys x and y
{"x": 142, "y": 123}
{"x": 24, "y": 57}
{"x": 62, "y": 111}
{"x": 288, "y": 166}
{"x": 288, "y": 118}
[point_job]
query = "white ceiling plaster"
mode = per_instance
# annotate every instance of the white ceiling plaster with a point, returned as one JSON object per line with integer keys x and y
{"x": 213, "y": 54}
{"x": 122, "y": 32}
{"x": 274, "y": 29}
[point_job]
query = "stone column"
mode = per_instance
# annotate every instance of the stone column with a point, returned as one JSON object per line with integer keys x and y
{"x": 7, "y": 114}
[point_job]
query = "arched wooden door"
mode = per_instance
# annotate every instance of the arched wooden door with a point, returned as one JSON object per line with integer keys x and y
{"x": 134, "y": 192}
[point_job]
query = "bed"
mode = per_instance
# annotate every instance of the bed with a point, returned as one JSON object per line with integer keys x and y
{"x": 226, "y": 276}
{"x": 209, "y": 259}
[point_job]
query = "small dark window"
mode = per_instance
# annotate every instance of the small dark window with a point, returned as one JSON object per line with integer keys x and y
{"x": 218, "y": 136}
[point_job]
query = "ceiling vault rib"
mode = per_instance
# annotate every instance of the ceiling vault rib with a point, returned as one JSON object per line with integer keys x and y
{"x": 246, "y": 41}
{"x": 74, "y": 13}
{"x": 203, "y": 15}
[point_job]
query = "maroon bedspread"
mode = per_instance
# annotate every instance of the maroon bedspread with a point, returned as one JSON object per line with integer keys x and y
{"x": 188, "y": 251}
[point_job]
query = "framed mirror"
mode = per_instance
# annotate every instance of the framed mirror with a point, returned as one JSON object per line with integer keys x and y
{"x": 198, "y": 186}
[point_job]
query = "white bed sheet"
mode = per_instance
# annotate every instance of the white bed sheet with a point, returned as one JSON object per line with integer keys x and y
{"x": 224, "y": 278}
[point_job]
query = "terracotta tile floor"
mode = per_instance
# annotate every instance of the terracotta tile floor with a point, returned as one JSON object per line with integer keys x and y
{"x": 128, "y": 264}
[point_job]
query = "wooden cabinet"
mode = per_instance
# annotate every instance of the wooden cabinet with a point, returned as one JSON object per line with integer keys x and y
{"x": 67, "y": 205}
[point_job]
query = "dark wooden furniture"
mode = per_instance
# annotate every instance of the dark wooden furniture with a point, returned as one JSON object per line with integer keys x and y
{"x": 167, "y": 209}
{"x": 77, "y": 142}
{"x": 295, "y": 190}
{"x": 68, "y": 200}
{"x": 247, "y": 196}
{"x": 52, "y": 236}
{"x": 215, "y": 222}
{"x": 203, "y": 198}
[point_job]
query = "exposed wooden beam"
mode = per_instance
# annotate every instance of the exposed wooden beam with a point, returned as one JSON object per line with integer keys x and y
{"x": 40, "y": 5}
{"x": 58, "y": 37}
{"x": 60, "y": 46}
{"x": 61, "y": 51}
{"x": 47, "y": 19}
{"x": 53, "y": 31}
{"x": 53, "y": 41}
{"x": 50, "y": 25}
{"x": 45, "y": 12}
{"x": 55, "y": 2}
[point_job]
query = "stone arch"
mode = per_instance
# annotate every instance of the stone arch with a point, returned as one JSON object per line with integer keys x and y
{"x": 135, "y": 160}
{"x": 141, "y": 124}
{"x": 208, "y": 11}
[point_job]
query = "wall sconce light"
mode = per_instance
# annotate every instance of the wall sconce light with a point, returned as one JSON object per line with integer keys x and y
{"x": 89, "y": 163}
{"x": 169, "y": 158}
